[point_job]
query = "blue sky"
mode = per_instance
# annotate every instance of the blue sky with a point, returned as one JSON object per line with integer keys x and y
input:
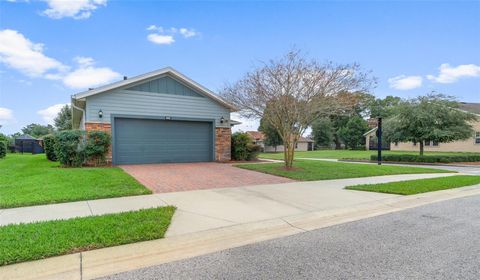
{"x": 51, "y": 49}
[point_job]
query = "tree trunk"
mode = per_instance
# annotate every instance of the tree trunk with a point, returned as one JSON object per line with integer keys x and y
{"x": 421, "y": 148}
{"x": 289, "y": 154}
{"x": 338, "y": 144}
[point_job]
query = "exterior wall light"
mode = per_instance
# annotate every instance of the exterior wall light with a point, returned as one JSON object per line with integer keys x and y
{"x": 100, "y": 113}
{"x": 222, "y": 119}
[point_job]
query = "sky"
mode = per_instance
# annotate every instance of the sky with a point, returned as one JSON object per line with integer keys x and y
{"x": 52, "y": 49}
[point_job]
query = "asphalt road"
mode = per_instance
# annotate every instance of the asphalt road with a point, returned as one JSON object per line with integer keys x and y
{"x": 437, "y": 241}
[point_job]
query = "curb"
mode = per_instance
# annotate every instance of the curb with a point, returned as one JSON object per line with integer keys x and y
{"x": 107, "y": 261}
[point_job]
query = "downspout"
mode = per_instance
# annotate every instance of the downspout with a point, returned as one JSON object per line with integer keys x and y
{"x": 84, "y": 114}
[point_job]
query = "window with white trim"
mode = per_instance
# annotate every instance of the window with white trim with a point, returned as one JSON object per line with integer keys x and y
{"x": 477, "y": 137}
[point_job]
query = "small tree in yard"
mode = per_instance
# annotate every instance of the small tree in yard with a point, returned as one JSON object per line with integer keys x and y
{"x": 272, "y": 138}
{"x": 322, "y": 132}
{"x": 63, "y": 120}
{"x": 296, "y": 92}
{"x": 434, "y": 117}
{"x": 352, "y": 132}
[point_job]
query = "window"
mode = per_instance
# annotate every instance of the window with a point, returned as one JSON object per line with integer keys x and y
{"x": 477, "y": 137}
{"x": 427, "y": 143}
{"x": 434, "y": 143}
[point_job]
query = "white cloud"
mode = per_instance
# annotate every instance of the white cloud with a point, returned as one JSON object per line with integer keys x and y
{"x": 6, "y": 116}
{"x": 160, "y": 39}
{"x": 187, "y": 33}
{"x": 166, "y": 36}
{"x": 48, "y": 114}
{"x": 77, "y": 9}
{"x": 20, "y": 53}
{"x": 87, "y": 75}
{"x": 403, "y": 82}
{"x": 449, "y": 74}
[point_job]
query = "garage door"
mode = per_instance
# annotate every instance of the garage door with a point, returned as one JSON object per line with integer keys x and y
{"x": 158, "y": 141}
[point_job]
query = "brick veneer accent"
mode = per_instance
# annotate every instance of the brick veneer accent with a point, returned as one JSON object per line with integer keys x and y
{"x": 223, "y": 142}
{"x": 106, "y": 127}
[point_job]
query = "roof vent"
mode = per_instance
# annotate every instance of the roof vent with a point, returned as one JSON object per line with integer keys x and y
{"x": 125, "y": 77}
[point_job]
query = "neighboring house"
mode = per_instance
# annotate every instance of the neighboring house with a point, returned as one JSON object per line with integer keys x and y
{"x": 470, "y": 145}
{"x": 258, "y": 138}
{"x": 28, "y": 144}
{"x": 157, "y": 117}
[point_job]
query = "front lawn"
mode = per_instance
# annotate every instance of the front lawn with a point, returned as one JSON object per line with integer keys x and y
{"x": 348, "y": 154}
{"x": 421, "y": 185}
{"x": 31, "y": 180}
{"x": 311, "y": 170}
{"x": 26, "y": 242}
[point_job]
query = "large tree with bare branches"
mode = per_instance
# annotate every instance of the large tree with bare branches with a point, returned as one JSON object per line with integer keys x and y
{"x": 291, "y": 92}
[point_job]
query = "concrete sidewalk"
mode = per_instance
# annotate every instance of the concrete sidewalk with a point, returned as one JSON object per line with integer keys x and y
{"x": 208, "y": 209}
{"x": 107, "y": 261}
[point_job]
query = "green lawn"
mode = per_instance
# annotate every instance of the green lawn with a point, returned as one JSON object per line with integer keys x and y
{"x": 346, "y": 154}
{"x": 420, "y": 186}
{"x": 32, "y": 179}
{"x": 311, "y": 170}
{"x": 40, "y": 240}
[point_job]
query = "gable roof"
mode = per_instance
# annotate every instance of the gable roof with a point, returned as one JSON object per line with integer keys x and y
{"x": 150, "y": 75}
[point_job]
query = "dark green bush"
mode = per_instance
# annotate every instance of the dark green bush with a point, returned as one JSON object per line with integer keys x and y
{"x": 3, "y": 149}
{"x": 49, "y": 147}
{"x": 253, "y": 151}
{"x": 429, "y": 158}
{"x": 70, "y": 147}
{"x": 98, "y": 143}
{"x": 243, "y": 148}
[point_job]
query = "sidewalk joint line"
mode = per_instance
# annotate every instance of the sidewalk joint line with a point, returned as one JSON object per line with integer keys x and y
{"x": 207, "y": 216}
{"x": 90, "y": 208}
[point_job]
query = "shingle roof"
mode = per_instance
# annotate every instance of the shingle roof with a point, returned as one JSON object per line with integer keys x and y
{"x": 26, "y": 137}
{"x": 470, "y": 107}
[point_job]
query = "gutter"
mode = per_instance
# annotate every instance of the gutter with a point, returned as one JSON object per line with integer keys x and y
{"x": 84, "y": 114}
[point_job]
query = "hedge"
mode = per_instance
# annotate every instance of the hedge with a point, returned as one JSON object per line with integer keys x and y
{"x": 242, "y": 148}
{"x": 49, "y": 146}
{"x": 98, "y": 143}
{"x": 428, "y": 158}
{"x": 3, "y": 149}
{"x": 70, "y": 147}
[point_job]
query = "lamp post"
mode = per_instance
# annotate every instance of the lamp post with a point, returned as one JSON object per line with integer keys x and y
{"x": 379, "y": 141}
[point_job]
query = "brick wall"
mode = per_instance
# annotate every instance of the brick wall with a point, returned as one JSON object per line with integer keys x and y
{"x": 223, "y": 140}
{"x": 106, "y": 127}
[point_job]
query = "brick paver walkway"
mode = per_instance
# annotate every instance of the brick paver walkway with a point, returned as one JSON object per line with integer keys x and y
{"x": 174, "y": 177}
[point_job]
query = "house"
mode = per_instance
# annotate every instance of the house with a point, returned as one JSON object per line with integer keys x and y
{"x": 28, "y": 144}
{"x": 161, "y": 116}
{"x": 470, "y": 145}
{"x": 258, "y": 138}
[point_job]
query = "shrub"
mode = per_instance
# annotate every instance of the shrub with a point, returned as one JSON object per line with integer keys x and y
{"x": 49, "y": 147}
{"x": 242, "y": 147}
{"x": 3, "y": 149}
{"x": 253, "y": 151}
{"x": 429, "y": 158}
{"x": 70, "y": 147}
{"x": 98, "y": 143}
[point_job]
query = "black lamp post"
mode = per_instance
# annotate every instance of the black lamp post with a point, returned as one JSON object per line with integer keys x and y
{"x": 379, "y": 141}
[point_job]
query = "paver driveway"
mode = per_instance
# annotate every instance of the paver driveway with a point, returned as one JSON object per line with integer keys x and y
{"x": 174, "y": 177}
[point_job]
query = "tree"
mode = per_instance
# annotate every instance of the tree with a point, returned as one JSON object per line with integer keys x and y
{"x": 297, "y": 93}
{"x": 63, "y": 120}
{"x": 272, "y": 138}
{"x": 383, "y": 107}
{"x": 322, "y": 132}
{"x": 352, "y": 133}
{"x": 37, "y": 130}
{"x": 433, "y": 117}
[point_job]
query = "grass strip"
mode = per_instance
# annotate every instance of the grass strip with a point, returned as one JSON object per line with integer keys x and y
{"x": 312, "y": 170}
{"x": 33, "y": 241}
{"x": 420, "y": 186}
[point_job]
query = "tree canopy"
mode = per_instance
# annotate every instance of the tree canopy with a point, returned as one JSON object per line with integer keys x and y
{"x": 433, "y": 117}
{"x": 37, "y": 130}
{"x": 63, "y": 120}
{"x": 297, "y": 91}
{"x": 272, "y": 138}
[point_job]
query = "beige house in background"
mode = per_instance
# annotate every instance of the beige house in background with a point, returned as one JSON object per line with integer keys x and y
{"x": 258, "y": 138}
{"x": 470, "y": 145}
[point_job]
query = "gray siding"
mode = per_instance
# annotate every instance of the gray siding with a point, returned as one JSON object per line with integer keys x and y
{"x": 165, "y": 85}
{"x": 141, "y": 103}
